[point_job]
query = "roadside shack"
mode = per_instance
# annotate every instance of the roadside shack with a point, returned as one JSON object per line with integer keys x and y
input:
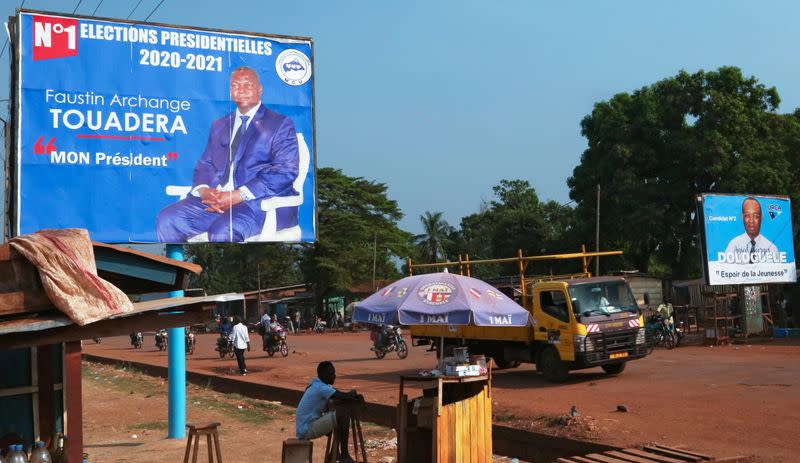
{"x": 40, "y": 345}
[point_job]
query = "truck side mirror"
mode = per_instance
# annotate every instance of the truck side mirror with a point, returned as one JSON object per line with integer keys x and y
{"x": 646, "y": 298}
{"x": 576, "y": 307}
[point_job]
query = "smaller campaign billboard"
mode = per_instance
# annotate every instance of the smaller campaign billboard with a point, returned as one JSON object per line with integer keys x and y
{"x": 748, "y": 239}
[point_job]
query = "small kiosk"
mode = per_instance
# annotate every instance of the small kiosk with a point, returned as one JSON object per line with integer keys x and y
{"x": 450, "y": 422}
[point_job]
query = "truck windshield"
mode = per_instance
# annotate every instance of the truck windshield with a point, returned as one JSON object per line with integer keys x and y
{"x": 603, "y": 298}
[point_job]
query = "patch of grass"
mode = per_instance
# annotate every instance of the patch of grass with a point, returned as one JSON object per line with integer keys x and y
{"x": 505, "y": 417}
{"x": 556, "y": 421}
{"x": 121, "y": 379}
{"x": 149, "y": 426}
{"x": 236, "y": 406}
{"x": 240, "y": 408}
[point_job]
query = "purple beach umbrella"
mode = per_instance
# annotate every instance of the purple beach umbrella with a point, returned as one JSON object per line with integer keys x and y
{"x": 440, "y": 299}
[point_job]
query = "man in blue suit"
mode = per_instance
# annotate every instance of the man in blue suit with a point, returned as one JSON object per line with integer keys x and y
{"x": 251, "y": 155}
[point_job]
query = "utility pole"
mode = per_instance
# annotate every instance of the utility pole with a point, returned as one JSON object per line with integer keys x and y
{"x": 374, "y": 260}
{"x": 597, "y": 235}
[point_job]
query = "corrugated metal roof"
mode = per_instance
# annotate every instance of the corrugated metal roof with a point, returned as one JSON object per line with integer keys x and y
{"x": 55, "y": 319}
{"x": 194, "y": 268}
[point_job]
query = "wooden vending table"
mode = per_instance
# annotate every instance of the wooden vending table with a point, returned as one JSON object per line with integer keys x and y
{"x": 452, "y": 421}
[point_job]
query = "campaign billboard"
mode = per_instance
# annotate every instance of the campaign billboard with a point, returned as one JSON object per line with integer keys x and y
{"x": 747, "y": 239}
{"x": 144, "y": 132}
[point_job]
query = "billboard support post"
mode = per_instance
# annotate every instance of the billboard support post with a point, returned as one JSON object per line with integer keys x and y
{"x": 177, "y": 366}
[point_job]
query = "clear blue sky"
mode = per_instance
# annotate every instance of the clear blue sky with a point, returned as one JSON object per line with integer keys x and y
{"x": 441, "y": 100}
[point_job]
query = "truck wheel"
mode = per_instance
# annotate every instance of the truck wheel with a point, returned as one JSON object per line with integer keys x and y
{"x": 551, "y": 366}
{"x": 506, "y": 364}
{"x": 615, "y": 368}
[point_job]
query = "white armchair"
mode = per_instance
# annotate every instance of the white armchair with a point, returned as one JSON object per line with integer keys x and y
{"x": 270, "y": 230}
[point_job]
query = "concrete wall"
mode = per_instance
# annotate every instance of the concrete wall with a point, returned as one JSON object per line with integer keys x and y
{"x": 644, "y": 284}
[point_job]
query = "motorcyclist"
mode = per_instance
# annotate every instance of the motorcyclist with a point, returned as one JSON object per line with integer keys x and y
{"x": 665, "y": 311}
{"x": 266, "y": 330}
{"x": 381, "y": 335}
{"x": 226, "y": 327}
{"x": 375, "y": 336}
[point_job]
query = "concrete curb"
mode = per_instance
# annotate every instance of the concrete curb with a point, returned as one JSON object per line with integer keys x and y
{"x": 511, "y": 442}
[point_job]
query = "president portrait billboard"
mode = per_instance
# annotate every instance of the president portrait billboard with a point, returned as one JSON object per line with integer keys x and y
{"x": 154, "y": 133}
{"x": 748, "y": 239}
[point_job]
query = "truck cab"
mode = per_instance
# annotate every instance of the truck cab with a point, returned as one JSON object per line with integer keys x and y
{"x": 588, "y": 322}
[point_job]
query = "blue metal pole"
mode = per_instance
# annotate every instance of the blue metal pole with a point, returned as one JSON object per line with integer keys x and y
{"x": 176, "y": 366}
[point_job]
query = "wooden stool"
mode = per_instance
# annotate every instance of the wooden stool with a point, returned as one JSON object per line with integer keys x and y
{"x": 297, "y": 451}
{"x": 332, "y": 444}
{"x": 202, "y": 429}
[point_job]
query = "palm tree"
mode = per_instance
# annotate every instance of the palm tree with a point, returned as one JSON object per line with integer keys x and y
{"x": 431, "y": 243}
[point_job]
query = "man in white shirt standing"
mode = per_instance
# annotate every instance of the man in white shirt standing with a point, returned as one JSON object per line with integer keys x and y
{"x": 751, "y": 247}
{"x": 241, "y": 341}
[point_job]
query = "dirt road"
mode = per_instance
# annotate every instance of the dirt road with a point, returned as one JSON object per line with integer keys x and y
{"x": 734, "y": 400}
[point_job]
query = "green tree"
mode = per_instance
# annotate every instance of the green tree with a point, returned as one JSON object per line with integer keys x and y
{"x": 233, "y": 267}
{"x": 433, "y": 242}
{"x": 654, "y": 149}
{"x": 354, "y": 213}
{"x": 513, "y": 220}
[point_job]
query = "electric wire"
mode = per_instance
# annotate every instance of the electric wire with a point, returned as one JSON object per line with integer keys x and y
{"x": 76, "y": 6}
{"x": 6, "y": 42}
{"x": 97, "y": 7}
{"x": 154, "y": 10}
{"x": 134, "y": 9}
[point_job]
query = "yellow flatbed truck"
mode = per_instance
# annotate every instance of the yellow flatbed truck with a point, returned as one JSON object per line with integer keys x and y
{"x": 578, "y": 323}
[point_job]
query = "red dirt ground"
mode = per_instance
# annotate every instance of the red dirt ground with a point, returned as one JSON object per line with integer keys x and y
{"x": 723, "y": 401}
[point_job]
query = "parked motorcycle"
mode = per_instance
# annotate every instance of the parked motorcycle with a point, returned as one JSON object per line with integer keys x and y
{"x": 190, "y": 342}
{"x": 320, "y": 325}
{"x": 658, "y": 332}
{"x": 137, "y": 340}
{"x": 287, "y": 321}
{"x": 679, "y": 332}
{"x": 392, "y": 341}
{"x": 224, "y": 345}
{"x": 161, "y": 339}
{"x": 274, "y": 340}
{"x": 97, "y": 340}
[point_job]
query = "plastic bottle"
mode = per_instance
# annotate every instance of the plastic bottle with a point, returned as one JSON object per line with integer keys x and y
{"x": 40, "y": 454}
{"x": 17, "y": 454}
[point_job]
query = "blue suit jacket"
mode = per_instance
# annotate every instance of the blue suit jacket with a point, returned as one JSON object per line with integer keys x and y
{"x": 266, "y": 160}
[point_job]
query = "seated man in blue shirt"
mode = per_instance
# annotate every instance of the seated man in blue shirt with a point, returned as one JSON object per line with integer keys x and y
{"x": 313, "y": 419}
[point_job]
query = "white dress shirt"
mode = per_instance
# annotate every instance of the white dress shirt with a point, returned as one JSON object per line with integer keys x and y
{"x": 742, "y": 246}
{"x": 240, "y": 336}
{"x": 228, "y": 186}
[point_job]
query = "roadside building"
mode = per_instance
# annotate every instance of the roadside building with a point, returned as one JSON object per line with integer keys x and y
{"x": 40, "y": 347}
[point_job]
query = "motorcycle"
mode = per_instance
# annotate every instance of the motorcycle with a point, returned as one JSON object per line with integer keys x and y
{"x": 137, "y": 340}
{"x": 97, "y": 340}
{"x": 320, "y": 325}
{"x": 287, "y": 321}
{"x": 679, "y": 331}
{"x": 190, "y": 342}
{"x": 392, "y": 341}
{"x": 161, "y": 339}
{"x": 275, "y": 341}
{"x": 224, "y": 345}
{"x": 659, "y": 333}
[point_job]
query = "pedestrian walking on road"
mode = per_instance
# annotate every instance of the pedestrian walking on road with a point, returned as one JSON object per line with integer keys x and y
{"x": 241, "y": 341}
